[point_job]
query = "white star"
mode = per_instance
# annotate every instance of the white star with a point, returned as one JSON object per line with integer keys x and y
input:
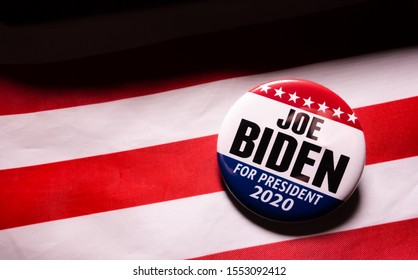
{"x": 279, "y": 92}
{"x": 308, "y": 102}
{"x": 322, "y": 107}
{"x": 264, "y": 88}
{"x": 293, "y": 97}
{"x": 337, "y": 112}
{"x": 352, "y": 118}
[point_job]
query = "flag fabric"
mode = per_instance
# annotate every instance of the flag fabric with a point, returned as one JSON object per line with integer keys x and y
{"x": 98, "y": 161}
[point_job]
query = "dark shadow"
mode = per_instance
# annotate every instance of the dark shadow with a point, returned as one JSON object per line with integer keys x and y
{"x": 358, "y": 29}
{"x": 21, "y": 12}
{"x": 322, "y": 224}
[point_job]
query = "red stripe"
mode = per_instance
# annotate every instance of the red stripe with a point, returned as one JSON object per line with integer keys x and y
{"x": 102, "y": 183}
{"x": 397, "y": 240}
{"x": 391, "y": 129}
{"x": 160, "y": 173}
{"x": 23, "y": 97}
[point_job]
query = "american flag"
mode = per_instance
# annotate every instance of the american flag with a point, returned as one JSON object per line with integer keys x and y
{"x": 114, "y": 156}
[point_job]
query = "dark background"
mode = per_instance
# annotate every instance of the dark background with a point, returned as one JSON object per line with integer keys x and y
{"x": 101, "y": 43}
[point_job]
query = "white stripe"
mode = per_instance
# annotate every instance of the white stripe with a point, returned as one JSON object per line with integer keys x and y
{"x": 77, "y": 132}
{"x": 205, "y": 224}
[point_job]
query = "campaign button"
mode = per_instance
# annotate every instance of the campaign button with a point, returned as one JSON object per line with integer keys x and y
{"x": 291, "y": 150}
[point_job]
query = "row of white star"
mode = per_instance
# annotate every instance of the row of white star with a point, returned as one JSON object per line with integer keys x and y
{"x": 308, "y": 102}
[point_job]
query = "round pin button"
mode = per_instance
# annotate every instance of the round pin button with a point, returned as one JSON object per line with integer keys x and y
{"x": 291, "y": 150}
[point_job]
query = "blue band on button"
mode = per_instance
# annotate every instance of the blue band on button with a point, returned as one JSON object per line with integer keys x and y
{"x": 272, "y": 196}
